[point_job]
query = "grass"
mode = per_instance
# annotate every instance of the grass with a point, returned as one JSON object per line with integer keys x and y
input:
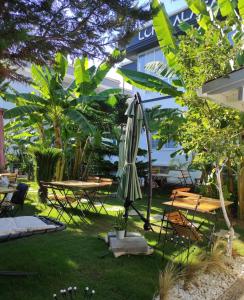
{"x": 167, "y": 279}
{"x": 78, "y": 257}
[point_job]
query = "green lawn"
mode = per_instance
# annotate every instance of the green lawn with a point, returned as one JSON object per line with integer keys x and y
{"x": 78, "y": 257}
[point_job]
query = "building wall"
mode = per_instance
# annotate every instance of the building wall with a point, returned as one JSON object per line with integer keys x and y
{"x": 161, "y": 157}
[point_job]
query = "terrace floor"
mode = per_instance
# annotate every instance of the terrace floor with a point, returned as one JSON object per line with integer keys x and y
{"x": 78, "y": 257}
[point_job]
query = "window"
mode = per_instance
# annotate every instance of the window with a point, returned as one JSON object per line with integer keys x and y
{"x": 147, "y": 57}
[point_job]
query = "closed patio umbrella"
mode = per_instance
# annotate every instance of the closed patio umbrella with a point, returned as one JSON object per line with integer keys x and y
{"x": 2, "y": 158}
{"x": 121, "y": 161}
{"x": 129, "y": 187}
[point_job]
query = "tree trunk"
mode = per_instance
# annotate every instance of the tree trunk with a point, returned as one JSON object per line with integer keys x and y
{"x": 77, "y": 159}
{"x": 227, "y": 221}
{"x": 241, "y": 193}
{"x": 57, "y": 134}
{"x": 58, "y": 144}
{"x": 40, "y": 129}
{"x": 230, "y": 177}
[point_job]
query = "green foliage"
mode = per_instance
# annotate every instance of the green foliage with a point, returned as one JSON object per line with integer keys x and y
{"x": 120, "y": 221}
{"x": 203, "y": 57}
{"x": 199, "y": 8}
{"x": 227, "y": 8}
{"x": 45, "y": 162}
{"x": 148, "y": 82}
{"x": 66, "y": 116}
{"x": 241, "y": 8}
{"x": 165, "y": 37}
{"x": 77, "y": 27}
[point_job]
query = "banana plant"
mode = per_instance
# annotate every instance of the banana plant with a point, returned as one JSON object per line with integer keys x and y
{"x": 56, "y": 104}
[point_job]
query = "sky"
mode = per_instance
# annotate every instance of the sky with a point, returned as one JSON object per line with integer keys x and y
{"x": 170, "y": 5}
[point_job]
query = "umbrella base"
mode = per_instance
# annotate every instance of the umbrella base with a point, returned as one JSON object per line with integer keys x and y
{"x": 132, "y": 244}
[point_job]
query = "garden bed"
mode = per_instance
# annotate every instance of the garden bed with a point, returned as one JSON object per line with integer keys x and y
{"x": 212, "y": 285}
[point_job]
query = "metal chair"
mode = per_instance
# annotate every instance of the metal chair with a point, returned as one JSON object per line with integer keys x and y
{"x": 62, "y": 202}
{"x": 17, "y": 201}
{"x": 99, "y": 195}
{"x": 180, "y": 228}
{"x": 88, "y": 198}
{"x": 185, "y": 177}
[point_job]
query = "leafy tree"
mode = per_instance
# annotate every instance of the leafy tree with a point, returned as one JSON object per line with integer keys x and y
{"x": 58, "y": 105}
{"x": 33, "y": 31}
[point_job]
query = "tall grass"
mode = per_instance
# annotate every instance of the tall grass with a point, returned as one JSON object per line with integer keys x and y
{"x": 167, "y": 280}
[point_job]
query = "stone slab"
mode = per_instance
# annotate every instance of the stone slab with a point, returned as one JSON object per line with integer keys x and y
{"x": 133, "y": 245}
{"x": 112, "y": 234}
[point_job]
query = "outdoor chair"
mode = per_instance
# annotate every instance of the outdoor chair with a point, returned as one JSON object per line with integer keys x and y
{"x": 185, "y": 178}
{"x": 93, "y": 179}
{"x": 64, "y": 203}
{"x": 100, "y": 195}
{"x": 12, "y": 178}
{"x": 89, "y": 199}
{"x": 180, "y": 228}
{"x": 181, "y": 189}
{"x": 17, "y": 200}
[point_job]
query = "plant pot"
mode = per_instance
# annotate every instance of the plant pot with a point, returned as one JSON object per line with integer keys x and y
{"x": 120, "y": 234}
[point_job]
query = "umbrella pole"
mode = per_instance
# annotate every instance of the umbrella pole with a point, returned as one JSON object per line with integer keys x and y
{"x": 147, "y": 225}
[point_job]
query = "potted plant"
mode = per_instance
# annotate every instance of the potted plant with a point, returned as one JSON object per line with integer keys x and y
{"x": 120, "y": 225}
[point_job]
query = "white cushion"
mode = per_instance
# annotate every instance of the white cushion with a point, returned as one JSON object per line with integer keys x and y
{"x": 22, "y": 224}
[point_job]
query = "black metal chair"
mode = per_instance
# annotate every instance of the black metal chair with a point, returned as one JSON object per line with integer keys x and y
{"x": 17, "y": 201}
{"x": 59, "y": 200}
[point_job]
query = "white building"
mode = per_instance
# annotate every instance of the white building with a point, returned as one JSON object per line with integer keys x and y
{"x": 107, "y": 83}
{"x": 143, "y": 49}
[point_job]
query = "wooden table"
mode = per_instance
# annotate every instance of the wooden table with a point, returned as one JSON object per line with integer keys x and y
{"x": 188, "y": 201}
{"x": 7, "y": 174}
{"x": 86, "y": 187}
{"x": 77, "y": 184}
{"x": 12, "y": 177}
{"x": 6, "y": 190}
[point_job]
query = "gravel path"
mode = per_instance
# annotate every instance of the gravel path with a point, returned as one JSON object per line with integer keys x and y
{"x": 214, "y": 285}
{"x": 235, "y": 292}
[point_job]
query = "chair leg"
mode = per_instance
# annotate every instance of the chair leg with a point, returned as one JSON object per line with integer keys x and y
{"x": 160, "y": 232}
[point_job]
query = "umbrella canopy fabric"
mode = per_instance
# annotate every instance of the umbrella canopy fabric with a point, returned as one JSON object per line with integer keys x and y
{"x": 129, "y": 187}
{"x": 121, "y": 155}
{"x": 2, "y": 158}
